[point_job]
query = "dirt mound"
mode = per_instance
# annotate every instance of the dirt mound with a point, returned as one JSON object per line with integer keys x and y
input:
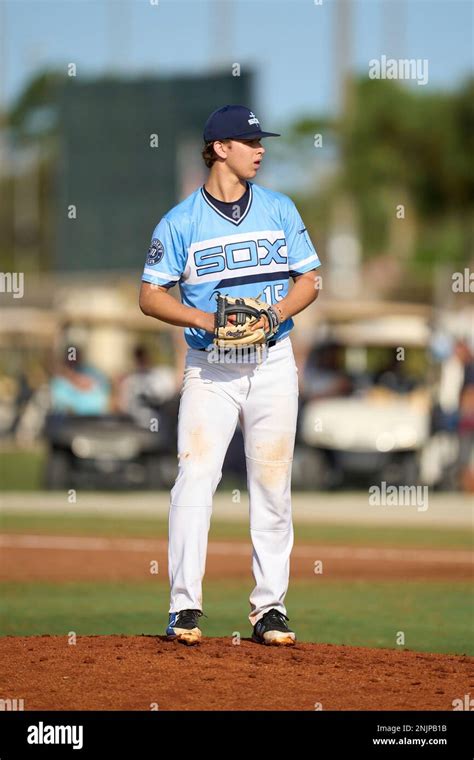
{"x": 149, "y": 672}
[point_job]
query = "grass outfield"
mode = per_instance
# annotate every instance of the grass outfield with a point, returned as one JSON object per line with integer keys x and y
{"x": 322, "y": 533}
{"x": 434, "y": 617}
{"x": 22, "y": 470}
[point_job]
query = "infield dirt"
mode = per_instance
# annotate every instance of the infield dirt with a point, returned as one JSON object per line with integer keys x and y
{"x": 149, "y": 672}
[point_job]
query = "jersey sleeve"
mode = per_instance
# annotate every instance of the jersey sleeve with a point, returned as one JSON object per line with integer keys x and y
{"x": 302, "y": 256}
{"x": 165, "y": 260}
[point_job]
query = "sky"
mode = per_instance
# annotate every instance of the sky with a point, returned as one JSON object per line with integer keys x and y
{"x": 289, "y": 43}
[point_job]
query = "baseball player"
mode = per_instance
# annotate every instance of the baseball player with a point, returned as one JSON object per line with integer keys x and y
{"x": 233, "y": 237}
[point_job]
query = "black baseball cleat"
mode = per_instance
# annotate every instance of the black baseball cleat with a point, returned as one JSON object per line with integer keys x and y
{"x": 183, "y": 626}
{"x": 272, "y": 629}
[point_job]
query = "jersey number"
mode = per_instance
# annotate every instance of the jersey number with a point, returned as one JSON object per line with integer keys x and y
{"x": 277, "y": 296}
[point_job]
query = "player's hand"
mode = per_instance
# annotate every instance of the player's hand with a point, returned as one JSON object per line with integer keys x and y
{"x": 263, "y": 322}
{"x": 206, "y": 321}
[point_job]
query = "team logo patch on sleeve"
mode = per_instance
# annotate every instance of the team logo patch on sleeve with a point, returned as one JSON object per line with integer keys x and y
{"x": 155, "y": 252}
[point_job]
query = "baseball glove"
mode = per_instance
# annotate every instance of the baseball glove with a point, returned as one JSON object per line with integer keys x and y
{"x": 246, "y": 312}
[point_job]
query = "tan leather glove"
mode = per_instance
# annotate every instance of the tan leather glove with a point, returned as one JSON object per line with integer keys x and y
{"x": 247, "y": 311}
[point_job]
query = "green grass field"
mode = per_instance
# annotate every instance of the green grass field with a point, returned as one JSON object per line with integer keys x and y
{"x": 434, "y": 616}
{"x": 22, "y": 470}
{"x": 139, "y": 527}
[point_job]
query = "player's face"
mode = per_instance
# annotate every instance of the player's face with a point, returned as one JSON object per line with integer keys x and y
{"x": 244, "y": 157}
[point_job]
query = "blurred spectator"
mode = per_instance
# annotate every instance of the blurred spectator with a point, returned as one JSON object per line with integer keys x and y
{"x": 453, "y": 415}
{"x": 78, "y": 388}
{"x": 393, "y": 375}
{"x": 445, "y": 415}
{"x": 24, "y": 393}
{"x": 324, "y": 374}
{"x": 32, "y": 403}
{"x": 466, "y": 417}
{"x": 10, "y": 403}
{"x": 145, "y": 388}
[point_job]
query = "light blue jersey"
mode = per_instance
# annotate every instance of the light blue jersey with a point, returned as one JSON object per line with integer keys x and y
{"x": 204, "y": 251}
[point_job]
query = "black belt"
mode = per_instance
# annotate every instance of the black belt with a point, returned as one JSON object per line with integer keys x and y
{"x": 250, "y": 345}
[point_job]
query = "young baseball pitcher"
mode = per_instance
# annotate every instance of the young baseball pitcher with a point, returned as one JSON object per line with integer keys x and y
{"x": 232, "y": 247}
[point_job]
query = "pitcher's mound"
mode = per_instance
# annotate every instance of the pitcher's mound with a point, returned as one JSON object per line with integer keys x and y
{"x": 149, "y": 673}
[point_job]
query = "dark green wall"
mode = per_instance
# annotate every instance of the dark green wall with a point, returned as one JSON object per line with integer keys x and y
{"x": 120, "y": 186}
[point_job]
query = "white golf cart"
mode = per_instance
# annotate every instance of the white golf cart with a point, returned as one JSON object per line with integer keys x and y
{"x": 366, "y": 397}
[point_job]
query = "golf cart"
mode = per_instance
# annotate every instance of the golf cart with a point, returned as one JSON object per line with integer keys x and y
{"x": 366, "y": 400}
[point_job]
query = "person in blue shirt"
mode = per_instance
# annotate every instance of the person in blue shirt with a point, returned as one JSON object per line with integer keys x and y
{"x": 78, "y": 388}
{"x": 234, "y": 236}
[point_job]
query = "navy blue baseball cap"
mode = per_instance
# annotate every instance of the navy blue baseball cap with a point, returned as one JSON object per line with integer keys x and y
{"x": 234, "y": 122}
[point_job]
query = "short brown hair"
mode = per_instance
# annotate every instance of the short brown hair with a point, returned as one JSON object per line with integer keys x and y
{"x": 208, "y": 153}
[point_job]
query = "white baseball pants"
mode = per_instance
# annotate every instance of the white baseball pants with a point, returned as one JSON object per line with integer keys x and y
{"x": 263, "y": 397}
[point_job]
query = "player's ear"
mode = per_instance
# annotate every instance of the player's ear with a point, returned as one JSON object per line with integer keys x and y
{"x": 221, "y": 148}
